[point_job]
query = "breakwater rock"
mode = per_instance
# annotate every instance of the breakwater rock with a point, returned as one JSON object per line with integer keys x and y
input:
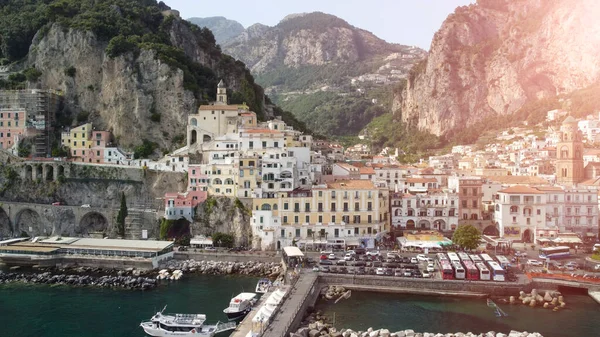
{"x": 255, "y": 268}
{"x": 105, "y": 281}
{"x": 550, "y": 300}
{"x": 314, "y": 325}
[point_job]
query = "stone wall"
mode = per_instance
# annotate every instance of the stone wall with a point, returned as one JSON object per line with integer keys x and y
{"x": 226, "y": 257}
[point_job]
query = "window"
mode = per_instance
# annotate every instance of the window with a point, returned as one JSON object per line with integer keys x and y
{"x": 464, "y": 191}
{"x": 261, "y": 219}
{"x": 320, "y": 207}
{"x": 369, "y": 219}
{"x": 296, "y": 207}
{"x": 295, "y": 219}
{"x": 320, "y": 193}
{"x": 251, "y": 145}
{"x": 320, "y": 219}
{"x": 333, "y": 206}
{"x": 307, "y": 207}
{"x": 539, "y": 212}
{"x": 369, "y": 206}
{"x": 97, "y": 143}
{"x": 285, "y": 205}
{"x": 514, "y": 219}
{"x": 307, "y": 219}
{"x": 275, "y": 144}
{"x": 264, "y": 144}
{"x": 333, "y": 218}
{"x": 97, "y": 153}
{"x": 464, "y": 203}
{"x": 297, "y": 232}
{"x": 333, "y": 194}
{"x": 345, "y": 207}
{"x": 474, "y": 203}
{"x": 356, "y": 207}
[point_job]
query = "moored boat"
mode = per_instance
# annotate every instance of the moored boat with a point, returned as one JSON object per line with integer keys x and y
{"x": 163, "y": 325}
{"x": 240, "y": 306}
{"x": 263, "y": 285}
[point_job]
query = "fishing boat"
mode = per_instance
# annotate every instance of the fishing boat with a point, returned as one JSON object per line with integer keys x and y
{"x": 164, "y": 325}
{"x": 497, "y": 311}
{"x": 263, "y": 285}
{"x": 177, "y": 274}
{"x": 240, "y": 306}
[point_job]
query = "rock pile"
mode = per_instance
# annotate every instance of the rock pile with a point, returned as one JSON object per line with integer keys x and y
{"x": 333, "y": 292}
{"x": 106, "y": 281}
{"x": 550, "y": 300}
{"x": 314, "y": 326}
{"x": 268, "y": 269}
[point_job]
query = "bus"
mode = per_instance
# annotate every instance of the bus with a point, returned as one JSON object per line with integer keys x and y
{"x": 475, "y": 258}
{"x": 486, "y": 258}
{"x": 497, "y": 271}
{"x": 442, "y": 257}
{"x": 459, "y": 270}
{"x": 554, "y": 252}
{"x": 503, "y": 261}
{"x": 472, "y": 271}
{"x": 447, "y": 271}
{"x": 464, "y": 257}
{"x": 453, "y": 257}
{"x": 484, "y": 272}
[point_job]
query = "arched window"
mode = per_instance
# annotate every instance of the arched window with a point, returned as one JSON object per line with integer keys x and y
{"x": 274, "y": 207}
{"x": 228, "y": 181}
{"x": 217, "y": 181}
{"x": 514, "y": 209}
{"x": 265, "y": 207}
{"x": 564, "y": 152}
{"x": 194, "y": 122}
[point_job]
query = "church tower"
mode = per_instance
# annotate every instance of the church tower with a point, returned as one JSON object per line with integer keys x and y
{"x": 221, "y": 93}
{"x": 569, "y": 154}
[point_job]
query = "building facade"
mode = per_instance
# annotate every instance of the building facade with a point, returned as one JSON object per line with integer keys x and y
{"x": 569, "y": 150}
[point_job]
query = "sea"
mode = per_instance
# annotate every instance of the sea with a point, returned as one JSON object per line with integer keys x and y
{"x": 51, "y": 311}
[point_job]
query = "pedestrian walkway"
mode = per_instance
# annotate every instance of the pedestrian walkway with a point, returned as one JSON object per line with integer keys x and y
{"x": 290, "y": 308}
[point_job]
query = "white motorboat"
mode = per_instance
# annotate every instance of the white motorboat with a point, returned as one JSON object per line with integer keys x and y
{"x": 163, "y": 275}
{"x": 165, "y": 325}
{"x": 240, "y": 306}
{"x": 263, "y": 285}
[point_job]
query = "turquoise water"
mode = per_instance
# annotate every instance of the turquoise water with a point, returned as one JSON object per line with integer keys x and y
{"x": 448, "y": 315}
{"x": 46, "y": 311}
{"x": 52, "y": 311}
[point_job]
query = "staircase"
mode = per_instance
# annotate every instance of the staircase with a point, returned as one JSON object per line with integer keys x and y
{"x": 136, "y": 213}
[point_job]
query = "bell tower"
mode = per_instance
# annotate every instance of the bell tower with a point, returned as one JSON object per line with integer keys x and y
{"x": 221, "y": 93}
{"x": 569, "y": 154}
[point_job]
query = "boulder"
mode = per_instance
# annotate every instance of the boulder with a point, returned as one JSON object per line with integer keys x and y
{"x": 400, "y": 334}
{"x": 547, "y": 297}
{"x": 303, "y": 332}
{"x": 409, "y": 333}
{"x": 314, "y": 333}
{"x": 374, "y": 333}
{"x": 384, "y": 333}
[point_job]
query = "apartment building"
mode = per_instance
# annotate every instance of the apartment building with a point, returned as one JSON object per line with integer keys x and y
{"x": 470, "y": 194}
{"x": 432, "y": 209}
{"x": 519, "y": 212}
{"x": 349, "y": 212}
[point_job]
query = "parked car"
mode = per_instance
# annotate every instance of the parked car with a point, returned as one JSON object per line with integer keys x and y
{"x": 391, "y": 255}
{"x": 360, "y": 250}
{"x": 422, "y": 257}
{"x": 326, "y": 252}
{"x": 360, "y": 263}
{"x": 377, "y": 264}
{"x": 414, "y": 260}
{"x": 535, "y": 263}
{"x": 430, "y": 268}
{"x": 555, "y": 265}
{"x": 389, "y": 272}
{"x": 426, "y": 274}
{"x": 325, "y": 269}
{"x": 571, "y": 266}
{"x": 349, "y": 257}
{"x": 597, "y": 267}
{"x": 316, "y": 269}
{"x": 326, "y": 262}
{"x": 380, "y": 271}
{"x": 520, "y": 254}
{"x": 210, "y": 248}
{"x": 360, "y": 271}
{"x": 340, "y": 262}
{"x": 86, "y": 206}
{"x": 57, "y": 203}
{"x": 373, "y": 253}
{"x": 323, "y": 257}
{"x": 407, "y": 273}
{"x": 331, "y": 256}
{"x": 398, "y": 272}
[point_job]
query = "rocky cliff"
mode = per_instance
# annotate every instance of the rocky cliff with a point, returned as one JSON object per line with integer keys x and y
{"x": 223, "y": 28}
{"x": 493, "y": 57}
{"x": 225, "y": 215}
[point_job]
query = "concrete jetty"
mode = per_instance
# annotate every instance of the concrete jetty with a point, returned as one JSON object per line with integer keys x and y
{"x": 595, "y": 295}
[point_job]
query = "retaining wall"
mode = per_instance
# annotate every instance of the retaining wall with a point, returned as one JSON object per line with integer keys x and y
{"x": 227, "y": 257}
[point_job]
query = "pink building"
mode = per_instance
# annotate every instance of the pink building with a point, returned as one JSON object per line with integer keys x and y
{"x": 181, "y": 205}
{"x": 96, "y": 144}
{"x": 197, "y": 181}
{"x": 12, "y": 126}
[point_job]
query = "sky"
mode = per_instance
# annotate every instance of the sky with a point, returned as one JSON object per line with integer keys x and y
{"x": 409, "y": 22}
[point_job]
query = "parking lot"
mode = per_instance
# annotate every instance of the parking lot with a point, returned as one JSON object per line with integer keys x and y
{"x": 376, "y": 263}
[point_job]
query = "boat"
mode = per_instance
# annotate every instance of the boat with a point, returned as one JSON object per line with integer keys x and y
{"x": 240, "y": 306}
{"x": 263, "y": 285}
{"x": 163, "y": 325}
{"x": 497, "y": 311}
{"x": 163, "y": 275}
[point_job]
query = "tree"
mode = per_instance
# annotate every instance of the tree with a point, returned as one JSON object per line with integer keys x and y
{"x": 122, "y": 215}
{"x": 467, "y": 237}
{"x": 222, "y": 239}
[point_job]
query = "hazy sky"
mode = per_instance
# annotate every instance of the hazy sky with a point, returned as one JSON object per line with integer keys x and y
{"x": 410, "y": 22}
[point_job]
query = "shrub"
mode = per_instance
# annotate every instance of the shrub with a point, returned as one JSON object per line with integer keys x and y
{"x": 70, "y": 71}
{"x": 82, "y": 116}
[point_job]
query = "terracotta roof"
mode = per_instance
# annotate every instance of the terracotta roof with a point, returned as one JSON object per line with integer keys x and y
{"x": 347, "y": 167}
{"x": 591, "y": 182}
{"x": 421, "y": 180}
{"x": 219, "y": 107}
{"x": 360, "y": 184}
{"x": 517, "y": 180}
{"x": 260, "y": 131}
{"x": 366, "y": 170}
{"x": 549, "y": 188}
{"x": 591, "y": 152}
{"x": 520, "y": 190}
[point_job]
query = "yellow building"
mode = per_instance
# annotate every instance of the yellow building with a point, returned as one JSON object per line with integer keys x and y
{"x": 77, "y": 139}
{"x": 338, "y": 214}
{"x": 248, "y": 177}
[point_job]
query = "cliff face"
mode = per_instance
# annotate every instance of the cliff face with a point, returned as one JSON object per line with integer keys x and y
{"x": 494, "y": 56}
{"x": 225, "y": 215}
{"x": 306, "y": 39}
{"x": 123, "y": 92}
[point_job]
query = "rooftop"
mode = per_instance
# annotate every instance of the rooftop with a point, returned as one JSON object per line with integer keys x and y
{"x": 521, "y": 190}
{"x": 228, "y": 107}
{"x": 358, "y": 184}
{"x": 517, "y": 180}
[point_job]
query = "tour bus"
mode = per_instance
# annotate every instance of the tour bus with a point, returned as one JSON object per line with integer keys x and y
{"x": 554, "y": 252}
{"x": 447, "y": 271}
{"x": 503, "y": 261}
{"x": 472, "y": 271}
{"x": 475, "y": 258}
{"x": 487, "y": 259}
{"x": 459, "y": 270}
{"x": 484, "y": 272}
{"x": 442, "y": 257}
{"x": 497, "y": 271}
{"x": 453, "y": 257}
{"x": 464, "y": 257}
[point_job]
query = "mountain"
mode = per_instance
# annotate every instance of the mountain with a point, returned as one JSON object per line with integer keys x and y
{"x": 223, "y": 29}
{"x": 498, "y": 58}
{"x": 132, "y": 67}
{"x": 309, "y": 54}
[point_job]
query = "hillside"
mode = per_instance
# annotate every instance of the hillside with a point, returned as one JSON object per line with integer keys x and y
{"x": 132, "y": 67}
{"x": 309, "y": 54}
{"x": 502, "y": 60}
{"x": 223, "y": 29}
